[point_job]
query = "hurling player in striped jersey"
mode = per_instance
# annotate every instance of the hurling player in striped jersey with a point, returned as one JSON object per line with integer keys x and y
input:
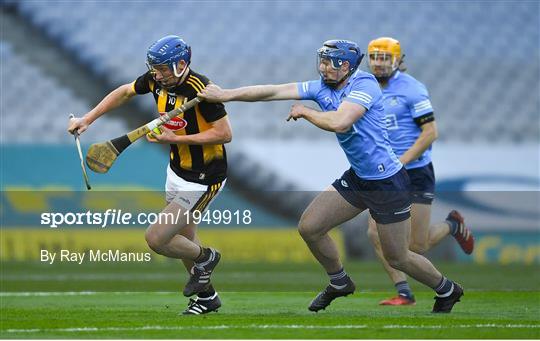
{"x": 197, "y": 169}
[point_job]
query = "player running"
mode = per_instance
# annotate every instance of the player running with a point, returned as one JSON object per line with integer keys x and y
{"x": 352, "y": 107}
{"x": 197, "y": 169}
{"x": 411, "y": 131}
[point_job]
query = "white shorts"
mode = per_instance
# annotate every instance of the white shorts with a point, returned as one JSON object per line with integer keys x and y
{"x": 190, "y": 195}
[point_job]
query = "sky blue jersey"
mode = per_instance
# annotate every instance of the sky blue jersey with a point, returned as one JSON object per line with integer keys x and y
{"x": 366, "y": 144}
{"x": 406, "y": 103}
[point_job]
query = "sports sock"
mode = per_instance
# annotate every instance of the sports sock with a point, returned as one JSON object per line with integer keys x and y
{"x": 454, "y": 226}
{"x": 208, "y": 293}
{"x": 444, "y": 288}
{"x": 404, "y": 289}
{"x": 338, "y": 279}
{"x": 204, "y": 255}
{"x": 199, "y": 298}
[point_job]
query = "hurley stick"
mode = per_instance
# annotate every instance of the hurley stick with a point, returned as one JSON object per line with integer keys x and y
{"x": 101, "y": 156}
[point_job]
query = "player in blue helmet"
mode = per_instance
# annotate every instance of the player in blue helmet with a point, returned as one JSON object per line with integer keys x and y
{"x": 338, "y": 52}
{"x": 352, "y": 108}
{"x": 197, "y": 168}
{"x": 167, "y": 60}
{"x": 411, "y": 129}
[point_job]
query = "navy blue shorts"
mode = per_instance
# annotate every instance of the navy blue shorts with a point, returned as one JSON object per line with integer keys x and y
{"x": 388, "y": 200}
{"x": 422, "y": 184}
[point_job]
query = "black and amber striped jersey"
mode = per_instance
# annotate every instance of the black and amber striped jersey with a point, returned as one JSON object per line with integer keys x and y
{"x": 204, "y": 164}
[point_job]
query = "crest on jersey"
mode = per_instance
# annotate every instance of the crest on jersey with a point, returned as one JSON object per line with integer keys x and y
{"x": 393, "y": 101}
{"x": 391, "y": 122}
{"x": 176, "y": 123}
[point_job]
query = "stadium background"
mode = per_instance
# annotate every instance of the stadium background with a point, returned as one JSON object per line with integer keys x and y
{"x": 480, "y": 61}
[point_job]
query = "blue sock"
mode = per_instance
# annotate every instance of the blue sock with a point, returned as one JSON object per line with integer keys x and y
{"x": 339, "y": 278}
{"x": 445, "y": 287}
{"x": 404, "y": 289}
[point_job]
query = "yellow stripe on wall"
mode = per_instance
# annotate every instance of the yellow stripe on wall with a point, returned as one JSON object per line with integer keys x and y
{"x": 236, "y": 245}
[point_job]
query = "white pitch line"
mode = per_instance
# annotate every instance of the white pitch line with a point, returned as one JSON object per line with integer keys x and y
{"x": 487, "y": 325}
{"x": 86, "y": 293}
{"x": 90, "y": 277}
{"x": 270, "y": 326}
{"x": 253, "y": 326}
{"x": 79, "y": 293}
{"x": 39, "y": 293}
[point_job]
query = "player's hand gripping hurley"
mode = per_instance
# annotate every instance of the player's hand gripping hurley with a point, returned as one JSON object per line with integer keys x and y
{"x": 78, "y": 143}
{"x": 101, "y": 156}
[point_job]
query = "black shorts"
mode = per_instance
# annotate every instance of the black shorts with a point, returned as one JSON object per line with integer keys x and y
{"x": 422, "y": 184}
{"x": 388, "y": 199}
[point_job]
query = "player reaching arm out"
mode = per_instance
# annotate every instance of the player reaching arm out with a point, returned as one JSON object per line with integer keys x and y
{"x": 351, "y": 102}
{"x": 214, "y": 94}
{"x": 339, "y": 121}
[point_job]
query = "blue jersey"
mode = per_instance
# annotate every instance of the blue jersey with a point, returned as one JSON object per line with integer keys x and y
{"x": 366, "y": 144}
{"x": 405, "y": 101}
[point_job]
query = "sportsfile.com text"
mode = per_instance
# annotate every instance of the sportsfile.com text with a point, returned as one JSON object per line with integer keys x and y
{"x": 119, "y": 217}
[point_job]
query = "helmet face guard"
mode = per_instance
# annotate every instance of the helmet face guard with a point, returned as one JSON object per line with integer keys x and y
{"x": 326, "y": 53}
{"x": 382, "y": 64}
{"x": 171, "y": 66}
{"x": 338, "y": 52}
{"x": 384, "y": 57}
{"x": 167, "y": 75}
{"x": 322, "y": 54}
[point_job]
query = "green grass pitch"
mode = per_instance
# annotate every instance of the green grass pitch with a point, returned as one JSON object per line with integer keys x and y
{"x": 259, "y": 301}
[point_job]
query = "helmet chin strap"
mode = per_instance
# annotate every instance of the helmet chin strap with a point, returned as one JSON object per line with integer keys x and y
{"x": 177, "y": 75}
{"x": 334, "y": 84}
{"x": 175, "y": 71}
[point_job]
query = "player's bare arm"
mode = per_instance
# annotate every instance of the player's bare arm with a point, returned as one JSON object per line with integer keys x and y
{"x": 113, "y": 100}
{"x": 213, "y": 93}
{"x": 339, "y": 121}
{"x": 427, "y": 136}
{"x": 219, "y": 133}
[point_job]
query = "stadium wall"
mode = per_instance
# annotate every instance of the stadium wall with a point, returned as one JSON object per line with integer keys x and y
{"x": 47, "y": 179}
